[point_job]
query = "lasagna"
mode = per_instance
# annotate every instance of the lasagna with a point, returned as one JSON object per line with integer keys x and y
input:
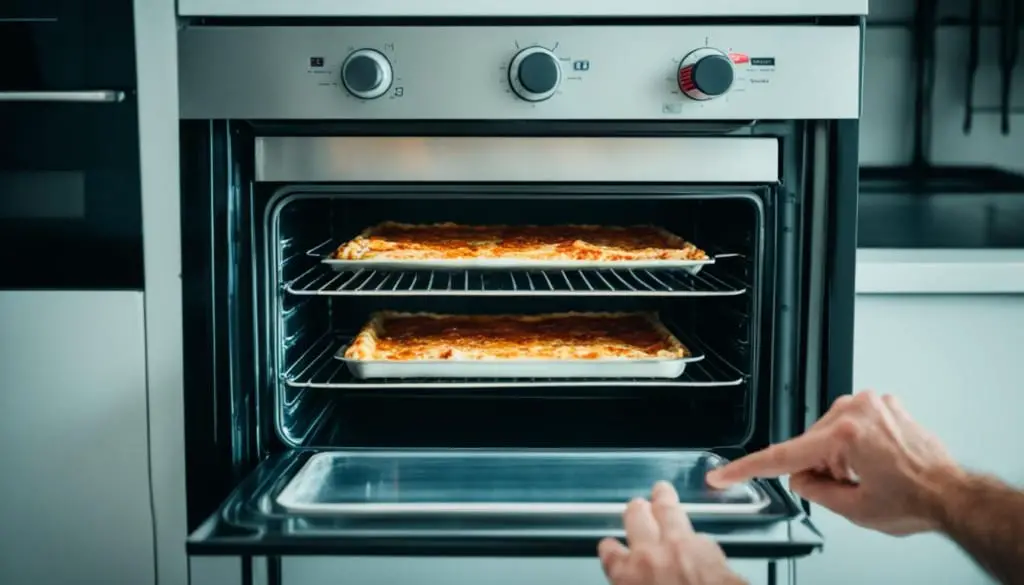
{"x": 451, "y": 241}
{"x": 557, "y": 336}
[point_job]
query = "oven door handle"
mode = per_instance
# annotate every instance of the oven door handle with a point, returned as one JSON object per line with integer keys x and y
{"x": 101, "y": 96}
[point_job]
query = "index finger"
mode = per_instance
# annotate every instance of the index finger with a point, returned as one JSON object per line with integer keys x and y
{"x": 669, "y": 513}
{"x": 797, "y": 454}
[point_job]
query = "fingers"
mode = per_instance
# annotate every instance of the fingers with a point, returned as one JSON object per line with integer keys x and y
{"x": 797, "y": 454}
{"x": 641, "y": 527}
{"x": 840, "y": 497}
{"x": 841, "y": 405}
{"x": 613, "y": 555}
{"x": 671, "y": 519}
{"x": 897, "y": 410}
{"x": 809, "y": 451}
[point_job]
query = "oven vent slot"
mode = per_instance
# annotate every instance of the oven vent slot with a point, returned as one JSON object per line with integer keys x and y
{"x": 318, "y": 368}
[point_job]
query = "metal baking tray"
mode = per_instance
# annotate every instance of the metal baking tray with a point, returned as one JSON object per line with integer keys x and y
{"x": 507, "y": 483}
{"x": 517, "y": 369}
{"x": 691, "y": 266}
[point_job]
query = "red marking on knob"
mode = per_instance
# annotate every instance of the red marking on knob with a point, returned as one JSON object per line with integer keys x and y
{"x": 686, "y": 79}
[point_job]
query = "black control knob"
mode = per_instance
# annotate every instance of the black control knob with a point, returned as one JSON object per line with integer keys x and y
{"x": 535, "y": 74}
{"x": 366, "y": 74}
{"x": 705, "y": 74}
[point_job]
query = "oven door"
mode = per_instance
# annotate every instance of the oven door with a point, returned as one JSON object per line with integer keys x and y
{"x": 70, "y": 199}
{"x": 486, "y": 503}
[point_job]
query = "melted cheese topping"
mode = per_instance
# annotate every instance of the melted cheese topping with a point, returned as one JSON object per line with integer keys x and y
{"x": 562, "y": 336}
{"x": 449, "y": 241}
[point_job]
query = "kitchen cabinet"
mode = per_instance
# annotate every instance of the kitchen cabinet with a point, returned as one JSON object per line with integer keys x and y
{"x": 954, "y": 361}
{"x": 74, "y": 486}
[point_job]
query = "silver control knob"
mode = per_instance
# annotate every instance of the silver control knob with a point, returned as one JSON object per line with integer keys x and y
{"x": 366, "y": 74}
{"x": 705, "y": 74}
{"x": 535, "y": 74}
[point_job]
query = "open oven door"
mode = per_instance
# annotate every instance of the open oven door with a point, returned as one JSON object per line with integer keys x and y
{"x": 486, "y": 503}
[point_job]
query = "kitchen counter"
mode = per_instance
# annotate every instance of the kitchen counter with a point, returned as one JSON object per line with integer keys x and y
{"x": 957, "y": 231}
{"x": 940, "y": 271}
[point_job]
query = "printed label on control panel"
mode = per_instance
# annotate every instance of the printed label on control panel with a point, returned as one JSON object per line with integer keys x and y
{"x": 320, "y": 73}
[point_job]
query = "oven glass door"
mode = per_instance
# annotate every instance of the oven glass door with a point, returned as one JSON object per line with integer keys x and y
{"x": 70, "y": 203}
{"x": 502, "y": 502}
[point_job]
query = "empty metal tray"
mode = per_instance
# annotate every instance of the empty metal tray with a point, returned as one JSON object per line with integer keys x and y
{"x": 502, "y": 483}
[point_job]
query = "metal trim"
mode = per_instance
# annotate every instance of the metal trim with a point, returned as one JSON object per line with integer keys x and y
{"x": 517, "y": 159}
{"x": 841, "y": 263}
{"x": 83, "y": 97}
{"x": 156, "y": 46}
{"x": 530, "y": 8}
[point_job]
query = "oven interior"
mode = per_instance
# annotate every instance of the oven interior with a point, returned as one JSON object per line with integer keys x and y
{"x": 313, "y": 310}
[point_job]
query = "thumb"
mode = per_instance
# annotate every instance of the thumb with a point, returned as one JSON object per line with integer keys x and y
{"x": 840, "y": 497}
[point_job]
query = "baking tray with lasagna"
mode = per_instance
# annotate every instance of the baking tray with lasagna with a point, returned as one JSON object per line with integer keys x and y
{"x": 553, "y": 345}
{"x": 450, "y": 246}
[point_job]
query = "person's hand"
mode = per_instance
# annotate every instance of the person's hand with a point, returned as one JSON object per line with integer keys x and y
{"x": 663, "y": 548}
{"x": 866, "y": 460}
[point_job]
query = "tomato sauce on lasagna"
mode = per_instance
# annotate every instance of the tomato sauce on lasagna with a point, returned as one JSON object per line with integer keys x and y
{"x": 450, "y": 241}
{"x": 556, "y": 336}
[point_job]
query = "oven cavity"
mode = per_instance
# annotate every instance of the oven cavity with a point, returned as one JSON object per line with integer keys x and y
{"x": 321, "y": 401}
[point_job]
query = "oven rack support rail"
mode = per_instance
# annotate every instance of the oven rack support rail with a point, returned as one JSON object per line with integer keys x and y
{"x": 318, "y": 368}
{"x": 320, "y": 280}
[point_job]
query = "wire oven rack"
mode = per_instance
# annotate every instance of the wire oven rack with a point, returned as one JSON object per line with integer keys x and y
{"x": 317, "y": 368}
{"x": 320, "y": 280}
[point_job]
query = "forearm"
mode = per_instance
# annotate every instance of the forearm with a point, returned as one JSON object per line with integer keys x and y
{"x": 986, "y": 518}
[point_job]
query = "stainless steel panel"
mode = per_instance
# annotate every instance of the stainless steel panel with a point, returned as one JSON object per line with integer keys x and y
{"x": 156, "y": 53}
{"x": 74, "y": 494}
{"x": 522, "y": 8}
{"x": 507, "y": 483}
{"x": 447, "y": 73}
{"x": 534, "y": 159}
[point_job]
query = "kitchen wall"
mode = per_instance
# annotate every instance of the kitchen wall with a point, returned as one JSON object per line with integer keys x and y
{"x": 887, "y": 123}
{"x": 900, "y": 339}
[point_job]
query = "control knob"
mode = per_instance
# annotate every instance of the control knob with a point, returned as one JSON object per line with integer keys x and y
{"x": 535, "y": 74}
{"x": 705, "y": 74}
{"x": 366, "y": 74}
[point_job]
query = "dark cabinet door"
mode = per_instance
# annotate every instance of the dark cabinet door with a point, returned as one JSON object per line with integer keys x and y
{"x": 70, "y": 201}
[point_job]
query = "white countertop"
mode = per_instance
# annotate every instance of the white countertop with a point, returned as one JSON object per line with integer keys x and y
{"x": 940, "y": 271}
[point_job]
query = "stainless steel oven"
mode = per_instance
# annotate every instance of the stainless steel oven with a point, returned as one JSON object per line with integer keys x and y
{"x": 738, "y": 132}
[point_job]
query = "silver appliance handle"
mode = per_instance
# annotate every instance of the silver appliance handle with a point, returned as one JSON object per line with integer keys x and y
{"x": 102, "y": 96}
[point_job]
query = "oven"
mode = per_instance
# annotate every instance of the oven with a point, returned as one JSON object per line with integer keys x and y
{"x": 738, "y": 134}
{"x": 69, "y": 160}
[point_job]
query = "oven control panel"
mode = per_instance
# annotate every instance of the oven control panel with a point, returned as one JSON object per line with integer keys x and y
{"x": 497, "y": 72}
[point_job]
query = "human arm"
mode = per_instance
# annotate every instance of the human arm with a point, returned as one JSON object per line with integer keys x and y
{"x": 986, "y": 518}
{"x": 868, "y": 461}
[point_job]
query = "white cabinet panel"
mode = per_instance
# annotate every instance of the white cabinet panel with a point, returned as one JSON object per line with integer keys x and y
{"x": 74, "y": 487}
{"x": 463, "y": 571}
{"x": 954, "y": 361}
